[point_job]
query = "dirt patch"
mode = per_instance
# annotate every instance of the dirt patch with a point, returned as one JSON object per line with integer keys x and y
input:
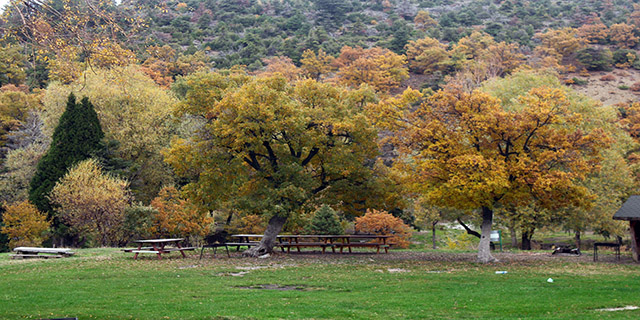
{"x": 609, "y": 92}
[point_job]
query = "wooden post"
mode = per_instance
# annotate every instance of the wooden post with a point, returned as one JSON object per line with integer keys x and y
{"x": 635, "y": 236}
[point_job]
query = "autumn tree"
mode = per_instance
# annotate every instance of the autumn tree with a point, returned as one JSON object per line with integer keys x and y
{"x": 92, "y": 202}
{"x": 287, "y": 144}
{"x": 468, "y": 152}
{"x": 377, "y": 67}
{"x": 424, "y": 21}
{"x": 135, "y": 113}
{"x": 282, "y": 65}
{"x": 176, "y": 217}
{"x": 76, "y": 137}
{"x": 384, "y": 223}
{"x": 24, "y": 224}
{"x": 325, "y": 221}
{"x": 427, "y": 55}
{"x": 79, "y": 34}
{"x": 316, "y": 65}
{"x": 623, "y": 35}
{"x": 594, "y": 32}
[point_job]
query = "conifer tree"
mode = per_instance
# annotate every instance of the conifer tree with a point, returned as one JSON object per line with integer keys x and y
{"x": 325, "y": 221}
{"x": 76, "y": 137}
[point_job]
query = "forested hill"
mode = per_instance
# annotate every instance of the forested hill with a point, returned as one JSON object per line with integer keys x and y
{"x": 246, "y": 31}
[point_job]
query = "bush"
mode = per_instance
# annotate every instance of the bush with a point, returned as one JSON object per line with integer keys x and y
{"x": 24, "y": 225}
{"x": 623, "y": 87}
{"x": 177, "y": 217}
{"x": 596, "y": 59}
{"x": 607, "y": 77}
{"x": 624, "y": 58}
{"x": 635, "y": 87}
{"x": 251, "y": 224}
{"x": 382, "y": 223}
{"x": 138, "y": 220}
{"x": 580, "y": 82}
{"x": 325, "y": 221}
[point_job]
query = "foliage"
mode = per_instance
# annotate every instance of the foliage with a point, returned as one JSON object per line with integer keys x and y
{"x": 176, "y": 217}
{"x": 427, "y": 55}
{"x": 316, "y": 65}
{"x": 287, "y": 144}
{"x": 462, "y": 241}
{"x": 325, "y": 221}
{"x": 138, "y": 221}
{"x": 623, "y": 35}
{"x": 596, "y": 59}
{"x": 92, "y": 202}
{"x": 76, "y": 136}
{"x": 250, "y": 224}
{"x": 383, "y": 223}
{"x": 377, "y": 67}
{"x": 135, "y": 112}
{"x": 24, "y": 225}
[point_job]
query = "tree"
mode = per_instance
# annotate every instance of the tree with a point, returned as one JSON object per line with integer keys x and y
{"x": 76, "y": 137}
{"x": 287, "y": 144}
{"x": 424, "y": 21}
{"x": 135, "y": 112}
{"x": 316, "y": 65}
{"x": 623, "y": 35}
{"x": 384, "y": 223}
{"x": 559, "y": 43}
{"x": 377, "y": 67}
{"x": 325, "y": 221}
{"x": 467, "y": 152}
{"x": 24, "y": 225}
{"x": 80, "y": 34}
{"x": 282, "y": 65}
{"x": 427, "y": 55}
{"x": 92, "y": 202}
{"x": 176, "y": 217}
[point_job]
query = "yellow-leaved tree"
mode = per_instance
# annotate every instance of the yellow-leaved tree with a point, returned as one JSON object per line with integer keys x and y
{"x": 465, "y": 151}
{"x": 24, "y": 224}
{"x": 380, "y": 68}
{"x": 176, "y": 217}
{"x": 92, "y": 202}
{"x": 287, "y": 146}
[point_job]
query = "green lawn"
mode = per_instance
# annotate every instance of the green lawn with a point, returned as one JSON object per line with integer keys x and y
{"x": 108, "y": 284}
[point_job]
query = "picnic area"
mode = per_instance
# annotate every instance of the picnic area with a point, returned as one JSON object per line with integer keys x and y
{"x": 403, "y": 284}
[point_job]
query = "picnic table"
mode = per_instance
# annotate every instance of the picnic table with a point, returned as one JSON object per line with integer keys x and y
{"x": 323, "y": 242}
{"x": 44, "y": 253}
{"x": 614, "y": 245}
{"x": 159, "y": 247}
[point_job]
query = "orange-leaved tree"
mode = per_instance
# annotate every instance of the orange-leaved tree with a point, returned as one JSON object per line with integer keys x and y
{"x": 465, "y": 151}
{"x": 384, "y": 223}
{"x": 380, "y": 68}
{"x": 427, "y": 55}
{"x": 24, "y": 224}
{"x": 176, "y": 217}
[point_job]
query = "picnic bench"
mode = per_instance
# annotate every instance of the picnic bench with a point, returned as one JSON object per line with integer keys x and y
{"x": 43, "y": 253}
{"x": 159, "y": 247}
{"x": 287, "y": 242}
{"x": 614, "y": 245}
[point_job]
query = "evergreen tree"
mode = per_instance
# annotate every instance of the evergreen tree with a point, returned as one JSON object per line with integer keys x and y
{"x": 325, "y": 221}
{"x": 76, "y": 137}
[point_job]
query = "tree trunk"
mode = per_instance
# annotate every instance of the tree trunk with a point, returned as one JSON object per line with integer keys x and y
{"x": 269, "y": 239}
{"x": 526, "y": 239}
{"x": 578, "y": 241}
{"x": 484, "y": 249}
{"x": 433, "y": 233}
{"x": 514, "y": 235}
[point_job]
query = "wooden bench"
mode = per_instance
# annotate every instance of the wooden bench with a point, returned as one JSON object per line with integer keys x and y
{"x": 363, "y": 245}
{"x": 43, "y": 253}
{"x": 298, "y": 245}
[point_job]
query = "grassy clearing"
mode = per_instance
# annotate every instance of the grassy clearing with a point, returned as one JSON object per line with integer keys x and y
{"x": 108, "y": 284}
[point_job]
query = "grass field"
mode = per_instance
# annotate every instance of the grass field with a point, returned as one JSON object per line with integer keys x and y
{"x": 109, "y": 284}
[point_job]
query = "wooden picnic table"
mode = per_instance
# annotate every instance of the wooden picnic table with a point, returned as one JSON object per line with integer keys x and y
{"x": 45, "y": 253}
{"x": 159, "y": 247}
{"x": 342, "y": 241}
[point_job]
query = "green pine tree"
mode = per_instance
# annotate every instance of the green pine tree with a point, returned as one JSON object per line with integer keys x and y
{"x": 76, "y": 137}
{"x": 325, "y": 221}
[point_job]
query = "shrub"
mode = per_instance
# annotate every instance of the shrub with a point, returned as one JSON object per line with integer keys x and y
{"x": 138, "y": 220}
{"x": 251, "y": 224}
{"x": 325, "y": 221}
{"x": 462, "y": 241}
{"x": 177, "y": 217}
{"x": 24, "y": 224}
{"x": 382, "y": 223}
{"x": 595, "y": 59}
{"x": 578, "y": 81}
{"x": 623, "y": 87}
{"x": 607, "y": 77}
{"x": 624, "y": 58}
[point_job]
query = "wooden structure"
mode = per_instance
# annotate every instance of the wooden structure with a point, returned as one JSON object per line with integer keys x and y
{"x": 345, "y": 241}
{"x": 44, "y": 253}
{"x": 159, "y": 247}
{"x": 630, "y": 211}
